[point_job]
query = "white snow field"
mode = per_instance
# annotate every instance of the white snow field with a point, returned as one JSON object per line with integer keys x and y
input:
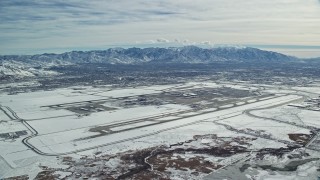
{"x": 62, "y": 132}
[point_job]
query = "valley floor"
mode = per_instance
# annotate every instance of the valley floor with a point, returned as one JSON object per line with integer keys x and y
{"x": 198, "y": 129}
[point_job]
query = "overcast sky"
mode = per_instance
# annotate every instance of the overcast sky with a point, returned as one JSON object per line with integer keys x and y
{"x": 36, "y": 26}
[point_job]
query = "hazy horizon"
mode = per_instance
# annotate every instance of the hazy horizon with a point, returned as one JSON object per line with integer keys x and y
{"x": 296, "y": 51}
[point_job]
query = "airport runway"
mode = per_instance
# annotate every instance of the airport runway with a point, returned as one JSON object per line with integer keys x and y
{"x": 25, "y": 141}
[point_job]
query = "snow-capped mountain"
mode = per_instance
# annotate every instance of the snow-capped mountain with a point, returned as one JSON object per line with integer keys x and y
{"x": 188, "y": 54}
{"x": 38, "y": 65}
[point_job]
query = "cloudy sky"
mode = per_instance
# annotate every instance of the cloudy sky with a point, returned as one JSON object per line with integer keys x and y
{"x": 38, "y": 26}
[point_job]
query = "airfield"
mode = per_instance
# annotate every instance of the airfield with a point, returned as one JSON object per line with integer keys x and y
{"x": 104, "y": 121}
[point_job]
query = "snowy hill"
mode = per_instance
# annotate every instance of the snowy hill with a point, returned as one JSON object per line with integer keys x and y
{"x": 20, "y": 69}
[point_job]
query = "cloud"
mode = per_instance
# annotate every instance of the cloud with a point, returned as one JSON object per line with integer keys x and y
{"x": 206, "y": 42}
{"x": 162, "y": 40}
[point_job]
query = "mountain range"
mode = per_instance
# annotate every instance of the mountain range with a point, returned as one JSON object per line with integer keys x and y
{"x": 187, "y": 54}
{"x": 33, "y": 65}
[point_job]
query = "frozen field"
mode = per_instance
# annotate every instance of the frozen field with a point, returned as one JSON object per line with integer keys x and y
{"x": 82, "y": 121}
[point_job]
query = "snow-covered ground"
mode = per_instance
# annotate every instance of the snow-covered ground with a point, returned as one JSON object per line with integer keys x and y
{"x": 64, "y": 132}
{"x": 275, "y": 129}
{"x": 312, "y": 89}
{"x": 291, "y": 114}
{"x": 17, "y": 159}
{"x": 304, "y": 172}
